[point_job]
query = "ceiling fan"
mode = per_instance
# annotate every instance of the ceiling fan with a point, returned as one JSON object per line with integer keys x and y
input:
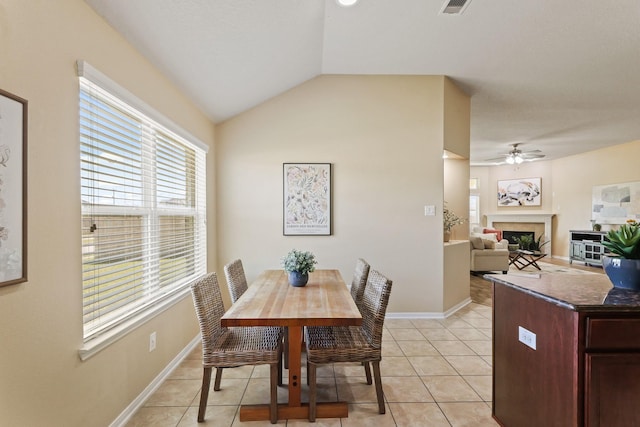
{"x": 517, "y": 156}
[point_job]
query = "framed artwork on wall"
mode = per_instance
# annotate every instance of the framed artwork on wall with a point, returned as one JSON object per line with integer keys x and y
{"x": 13, "y": 189}
{"x": 307, "y": 199}
{"x": 519, "y": 192}
{"x": 616, "y": 203}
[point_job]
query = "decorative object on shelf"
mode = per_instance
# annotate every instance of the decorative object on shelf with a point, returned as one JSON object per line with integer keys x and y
{"x": 449, "y": 219}
{"x": 307, "y": 199}
{"x": 13, "y": 189}
{"x": 597, "y": 227}
{"x": 519, "y": 192}
{"x": 299, "y": 264}
{"x": 624, "y": 269}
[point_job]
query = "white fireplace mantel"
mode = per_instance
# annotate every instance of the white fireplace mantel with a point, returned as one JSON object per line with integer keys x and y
{"x": 530, "y": 218}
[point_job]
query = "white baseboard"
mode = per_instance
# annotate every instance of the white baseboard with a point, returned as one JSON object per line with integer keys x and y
{"x": 429, "y": 315}
{"x": 137, "y": 403}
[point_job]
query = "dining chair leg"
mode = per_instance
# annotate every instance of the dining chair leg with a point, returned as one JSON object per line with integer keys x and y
{"x": 273, "y": 410}
{"x": 311, "y": 378}
{"x": 204, "y": 393}
{"x": 216, "y": 383}
{"x": 367, "y": 372}
{"x": 379, "y": 393}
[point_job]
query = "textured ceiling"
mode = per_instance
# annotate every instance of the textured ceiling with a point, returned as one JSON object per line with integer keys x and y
{"x": 560, "y": 76}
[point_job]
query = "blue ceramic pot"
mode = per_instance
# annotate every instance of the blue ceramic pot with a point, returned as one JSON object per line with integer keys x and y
{"x": 298, "y": 279}
{"x": 623, "y": 273}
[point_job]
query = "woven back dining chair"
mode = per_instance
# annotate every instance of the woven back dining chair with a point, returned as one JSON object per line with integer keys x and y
{"x": 237, "y": 284}
{"x": 236, "y": 280}
{"x": 231, "y": 347}
{"x": 352, "y": 343}
{"x": 359, "y": 281}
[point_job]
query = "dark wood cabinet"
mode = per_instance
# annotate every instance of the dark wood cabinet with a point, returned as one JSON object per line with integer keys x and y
{"x": 578, "y": 362}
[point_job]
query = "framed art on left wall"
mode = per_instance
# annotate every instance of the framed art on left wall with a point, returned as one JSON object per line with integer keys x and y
{"x": 13, "y": 189}
{"x": 307, "y": 199}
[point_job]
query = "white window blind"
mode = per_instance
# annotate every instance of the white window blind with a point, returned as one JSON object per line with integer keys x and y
{"x": 143, "y": 211}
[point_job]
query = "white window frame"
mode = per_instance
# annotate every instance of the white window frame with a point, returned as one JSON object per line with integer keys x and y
{"x": 99, "y": 338}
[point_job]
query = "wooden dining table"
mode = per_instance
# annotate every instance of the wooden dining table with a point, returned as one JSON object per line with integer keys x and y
{"x": 271, "y": 301}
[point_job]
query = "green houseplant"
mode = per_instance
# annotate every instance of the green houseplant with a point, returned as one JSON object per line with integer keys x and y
{"x": 298, "y": 264}
{"x": 623, "y": 268}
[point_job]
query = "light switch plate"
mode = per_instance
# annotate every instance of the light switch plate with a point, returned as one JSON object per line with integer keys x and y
{"x": 429, "y": 210}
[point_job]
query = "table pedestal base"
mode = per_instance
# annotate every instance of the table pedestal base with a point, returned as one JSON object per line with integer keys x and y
{"x": 285, "y": 412}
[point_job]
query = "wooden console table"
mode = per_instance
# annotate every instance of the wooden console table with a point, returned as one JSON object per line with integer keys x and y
{"x": 566, "y": 351}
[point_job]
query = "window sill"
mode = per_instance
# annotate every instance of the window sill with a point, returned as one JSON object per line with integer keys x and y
{"x": 92, "y": 347}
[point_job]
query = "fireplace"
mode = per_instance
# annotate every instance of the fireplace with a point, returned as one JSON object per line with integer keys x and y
{"x": 511, "y": 236}
{"x": 536, "y": 224}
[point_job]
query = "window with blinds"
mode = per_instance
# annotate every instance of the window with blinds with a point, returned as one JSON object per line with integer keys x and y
{"x": 143, "y": 211}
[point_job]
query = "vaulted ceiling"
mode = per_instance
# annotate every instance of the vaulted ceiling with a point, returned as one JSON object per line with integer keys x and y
{"x": 560, "y": 76}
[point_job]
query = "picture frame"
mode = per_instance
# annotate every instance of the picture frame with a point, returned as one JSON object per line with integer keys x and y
{"x": 306, "y": 199}
{"x": 615, "y": 203}
{"x": 520, "y": 192}
{"x": 13, "y": 189}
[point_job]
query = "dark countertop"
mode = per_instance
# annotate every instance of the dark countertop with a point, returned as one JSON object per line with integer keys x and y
{"x": 578, "y": 292}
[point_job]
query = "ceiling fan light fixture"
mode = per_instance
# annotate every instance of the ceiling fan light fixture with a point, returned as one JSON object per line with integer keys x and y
{"x": 346, "y": 3}
{"x": 518, "y": 159}
{"x": 510, "y": 159}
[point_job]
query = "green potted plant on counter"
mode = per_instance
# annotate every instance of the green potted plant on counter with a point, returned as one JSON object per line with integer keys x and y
{"x": 623, "y": 264}
{"x": 298, "y": 265}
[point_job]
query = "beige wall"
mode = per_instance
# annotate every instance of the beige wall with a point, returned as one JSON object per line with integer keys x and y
{"x": 42, "y": 380}
{"x": 384, "y": 138}
{"x": 567, "y": 185}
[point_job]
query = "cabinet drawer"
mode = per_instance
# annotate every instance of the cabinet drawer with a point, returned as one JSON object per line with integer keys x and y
{"x": 615, "y": 334}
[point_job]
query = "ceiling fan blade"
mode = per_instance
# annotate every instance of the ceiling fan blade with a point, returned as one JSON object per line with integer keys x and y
{"x": 532, "y": 156}
{"x": 496, "y": 159}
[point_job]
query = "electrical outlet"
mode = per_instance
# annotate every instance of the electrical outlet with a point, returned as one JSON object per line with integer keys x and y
{"x": 152, "y": 341}
{"x": 526, "y": 337}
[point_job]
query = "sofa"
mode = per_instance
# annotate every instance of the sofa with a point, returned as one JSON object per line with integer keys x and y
{"x": 489, "y": 251}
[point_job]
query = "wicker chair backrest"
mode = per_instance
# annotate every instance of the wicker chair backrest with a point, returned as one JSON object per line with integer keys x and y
{"x": 236, "y": 280}
{"x": 207, "y": 300}
{"x": 359, "y": 282}
{"x": 374, "y": 307}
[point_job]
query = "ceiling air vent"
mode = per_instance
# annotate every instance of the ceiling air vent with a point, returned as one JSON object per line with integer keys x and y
{"x": 454, "y": 7}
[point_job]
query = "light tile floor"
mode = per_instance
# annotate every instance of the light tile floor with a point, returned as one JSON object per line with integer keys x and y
{"x": 435, "y": 373}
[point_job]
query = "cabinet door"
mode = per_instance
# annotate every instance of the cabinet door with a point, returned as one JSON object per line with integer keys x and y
{"x": 612, "y": 388}
{"x": 577, "y": 250}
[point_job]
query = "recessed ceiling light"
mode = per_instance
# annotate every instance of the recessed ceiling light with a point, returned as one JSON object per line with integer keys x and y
{"x": 346, "y": 3}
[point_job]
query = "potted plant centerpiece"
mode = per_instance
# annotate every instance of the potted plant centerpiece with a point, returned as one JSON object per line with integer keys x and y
{"x": 449, "y": 219}
{"x": 623, "y": 268}
{"x": 299, "y": 264}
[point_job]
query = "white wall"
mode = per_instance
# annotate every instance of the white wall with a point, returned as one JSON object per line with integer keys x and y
{"x": 42, "y": 380}
{"x": 384, "y": 137}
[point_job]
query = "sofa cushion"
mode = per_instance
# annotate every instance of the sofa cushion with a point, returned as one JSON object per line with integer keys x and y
{"x": 489, "y": 244}
{"x": 476, "y": 242}
{"x": 488, "y": 236}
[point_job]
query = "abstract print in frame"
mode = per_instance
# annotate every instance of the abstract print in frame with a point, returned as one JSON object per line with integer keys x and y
{"x": 519, "y": 192}
{"x": 307, "y": 199}
{"x": 13, "y": 189}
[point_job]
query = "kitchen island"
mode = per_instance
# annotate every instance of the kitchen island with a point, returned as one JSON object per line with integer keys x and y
{"x": 566, "y": 351}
